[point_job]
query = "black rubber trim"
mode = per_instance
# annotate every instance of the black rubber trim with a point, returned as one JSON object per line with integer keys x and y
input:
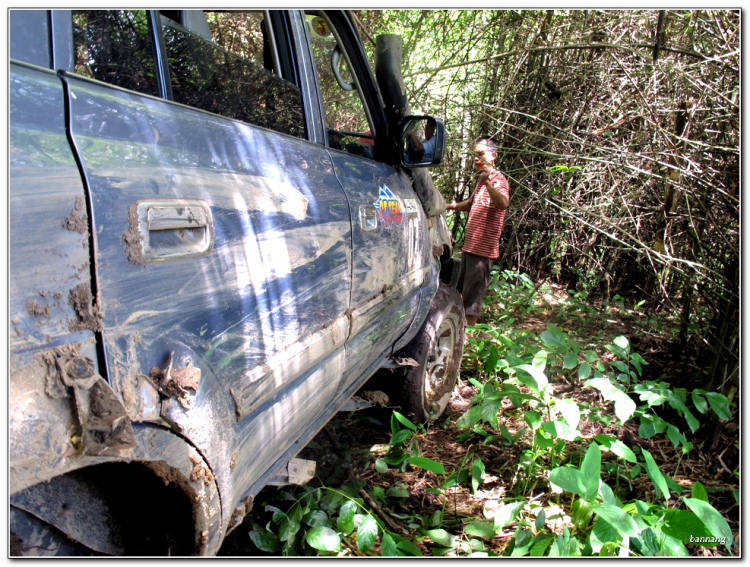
{"x": 101, "y": 353}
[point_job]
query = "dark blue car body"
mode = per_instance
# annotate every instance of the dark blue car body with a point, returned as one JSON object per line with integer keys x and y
{"x": 148, "y": 236}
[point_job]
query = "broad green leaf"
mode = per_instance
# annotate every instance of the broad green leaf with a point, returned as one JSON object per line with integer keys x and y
{"x": 400, "y": 437}
{"x": 621, "y": 342}
{"x": 618, "y": 519}
{"x": 316, "y": 518}
{"x": 591, "y": 469}
{"x": 608, "y": 497}
{"x": 490, "y": 409}
{"x": 388, "y": 546}
{"x": 591, "y": 356}
{"x": 569, "y": 410}
{"x": 682, "y": 524}
{"x": 441, "y": 537}
{"x": 617, "y": 350}
{"x": 570, "y": 361}
{"x": 470, "y": 418}
{"x": 551, "y": 340}
{"x": 540, "y": 379}
{"x": 427, "y": 464}
{"x": 288, "y": 529}
{"x": 323, "y": 539}
{"x": 367, "y": 533}
{"x": 477, "y": 474}
{"x": 699, "y": 492}
{"x": 624, "y": 406}
{"x": 533, "y": 418}
{"x": 603, "y": 532}
{"x": 713, "y": 520}
{"x": 265, "y": 541}
{"x": 381, "y": 466}
{"x": 569, "y": 479}
{"x": 397, "y": 492}
{"x": 561, "y": 430}
{"x": 656, "y": 475}
{"x": 617, "y": 447}
{"x": 720, "y": 404}
{"x": 345, "y": 522}
{"x": 409, "y": 547}
{"x": 540, "y": 519}
{"x": 699, "y": 401}
{"x": 678, "y": 404}
{"x": 540, "y": 360}
{"x": 538, "y": 549}
{"x": 405, "y": 421}
{"x": 506, "y": 514}
{"x": 584, "y": 371}
{"x": 480, "y": 529}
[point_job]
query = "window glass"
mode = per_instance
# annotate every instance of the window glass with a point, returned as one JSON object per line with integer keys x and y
{"x": 114, "y": 46}
{"x": 226, "y": 75}
{"x": 346, "y": 118}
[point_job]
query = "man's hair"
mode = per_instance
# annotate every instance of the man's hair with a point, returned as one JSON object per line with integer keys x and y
{"x": 487, "y": 141}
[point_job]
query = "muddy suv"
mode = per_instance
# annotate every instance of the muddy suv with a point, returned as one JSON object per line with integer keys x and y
{"x": 219, "y": 231}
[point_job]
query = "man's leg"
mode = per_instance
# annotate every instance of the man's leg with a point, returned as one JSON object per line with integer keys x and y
{"x": 475, "y": 282}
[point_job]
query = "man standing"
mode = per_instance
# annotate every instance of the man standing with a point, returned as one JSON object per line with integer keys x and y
{"x": 486, "y": 207}
{"x": 428, "y": 144}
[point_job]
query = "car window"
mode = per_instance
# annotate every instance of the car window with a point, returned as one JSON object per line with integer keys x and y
{"x": 223, "y": 64}
{"x": 114, "y": 46}
{"x": 346, "y": 116}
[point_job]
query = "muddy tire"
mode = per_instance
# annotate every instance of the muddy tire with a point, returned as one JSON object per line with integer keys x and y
{"x": 437, "y": 348}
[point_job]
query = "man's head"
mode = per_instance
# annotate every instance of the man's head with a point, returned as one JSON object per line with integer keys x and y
{"x": 485, "y": 151}
{"x": 429, "y": 129}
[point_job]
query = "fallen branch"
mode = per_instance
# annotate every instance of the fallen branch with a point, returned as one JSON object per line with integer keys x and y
{"x": 383, "y": 516}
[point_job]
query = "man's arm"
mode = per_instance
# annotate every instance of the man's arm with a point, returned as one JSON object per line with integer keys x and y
{"x": 498, "y": 199}
{"x": 415, "y": 140}
{"x": 462, "y": 206}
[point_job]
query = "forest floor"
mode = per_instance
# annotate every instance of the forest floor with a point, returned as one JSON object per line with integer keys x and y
{"x": 346, "y": 449}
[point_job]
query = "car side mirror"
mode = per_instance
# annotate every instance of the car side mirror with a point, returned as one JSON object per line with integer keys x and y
{"x": 422, "y": 141}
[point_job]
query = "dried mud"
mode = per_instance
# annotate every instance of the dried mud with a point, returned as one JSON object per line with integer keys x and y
{"x": 89, "y": 316}
{"x": 77, "y": 221}
{"x": 36, "y": 310}
{"x": 132, "y": 238}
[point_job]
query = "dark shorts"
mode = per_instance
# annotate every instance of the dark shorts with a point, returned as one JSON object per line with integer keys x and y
{"x": 473, "y": 280}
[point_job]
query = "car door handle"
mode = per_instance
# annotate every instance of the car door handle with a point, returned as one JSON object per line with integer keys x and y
{"x": 368, "y": 218}
{"x": 171, "y": 229}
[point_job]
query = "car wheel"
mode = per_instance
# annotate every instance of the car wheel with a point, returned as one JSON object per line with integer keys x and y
{"x": 437, "y": 349}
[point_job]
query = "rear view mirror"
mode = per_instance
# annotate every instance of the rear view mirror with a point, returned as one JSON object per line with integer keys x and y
{"x": 422, "y": 141}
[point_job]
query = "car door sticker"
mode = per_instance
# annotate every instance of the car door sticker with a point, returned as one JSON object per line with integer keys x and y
{"x": 390, "y": 210}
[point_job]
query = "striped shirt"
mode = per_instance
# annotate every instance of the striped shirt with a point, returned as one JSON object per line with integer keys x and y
{"x": 485, "y": 224}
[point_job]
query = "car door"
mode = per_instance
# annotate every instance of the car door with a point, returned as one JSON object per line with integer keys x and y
{"x": 223, "y": 237}
{"x": 390, "y": 262}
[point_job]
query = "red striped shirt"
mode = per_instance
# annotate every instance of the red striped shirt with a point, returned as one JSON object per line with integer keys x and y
{"x": 485, "y": 224}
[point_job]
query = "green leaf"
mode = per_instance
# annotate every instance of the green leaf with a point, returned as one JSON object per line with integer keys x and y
{"x": 533, "y": 418}
{"x": 345, "y": 522}
{"x": 699, "y": 401}
{"x": 367, "y": 533}
{"x": 699, "y": 492}
{"x": 656, "y": 475}
{"x": 570, "y": 361}
{"x": 409, "y": 547}
{"x": 441, "y": 537}
{"x": 603, "y": 533}
{"x": 713, "y": 520}
{"x": 323, "y": 539}
{"x": 506, "y": 514}
{"x": 540, "y": 519}
{"x": 540, "y": 379}
{"x": 591, "y": 469}
{"x": 477, "y": 474}
{"x": 490, "y": 409}
{"x": 624, "y": 406}
{"x": 618, "y": 519}
{"x": 621, "y": 342}
{"x": 381, "y": 466}
{"x": 540, "y": 360}
{"x": 569, "y": 479}
{"x": 470, "y": 418}
{"x": 265, "y": 541}
{"x": 397, "y": 492}
{"x": 591, "y": 356}
{"x": 569, "y": 410}
{"x": 720, "y": 404}
{"x": 560, "y": 429}
{"x": 682, "y": 524}
{"x": 617, "y": 447}
{"x": 584, "y": 371}
{"x": 427, "y": 464}
{"x": 400, "y": 437}
{"x": 388, "y": 546}
{"x": 539, "y": 547}
{"x": 288, "y": 529}
{"x": 404, "y": 421}
{"x": 316, "y": 518}
{"x": 480, "y": 529}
